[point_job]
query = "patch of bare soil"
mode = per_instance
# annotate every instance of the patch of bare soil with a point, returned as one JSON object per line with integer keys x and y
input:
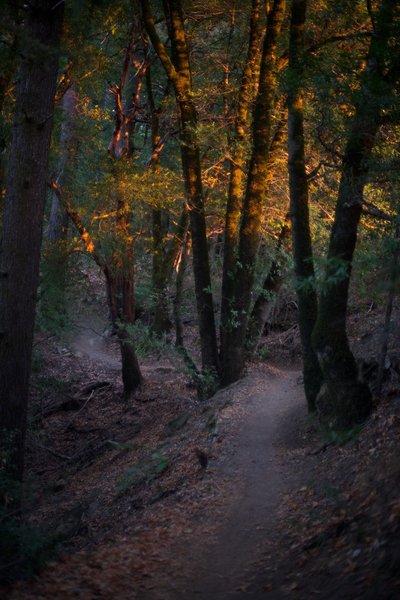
{"x": 168, "y": 497}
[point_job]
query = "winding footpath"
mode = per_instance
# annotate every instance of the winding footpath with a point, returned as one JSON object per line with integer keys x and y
{"x": 229, "y": 565}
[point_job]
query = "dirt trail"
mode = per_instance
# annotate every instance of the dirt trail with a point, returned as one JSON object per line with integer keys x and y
{"x": 250, "y": 525}
{"x": 224, "y": 565}
{"x": 90, "y": 340}
{"x": 272, "y": 408}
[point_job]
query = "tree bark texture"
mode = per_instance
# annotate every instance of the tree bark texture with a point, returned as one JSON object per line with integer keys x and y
{"x": 23, "y": 216}
{"x": 299, "y": 211}
{"x": 345, "y": 400}
{"x": 178, "y": 72}
{"x": 254, "y": 200}
{"x": 237, "y": 163}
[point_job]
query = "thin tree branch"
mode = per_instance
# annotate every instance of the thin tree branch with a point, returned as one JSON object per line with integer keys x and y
{"x": 157, "y": 43}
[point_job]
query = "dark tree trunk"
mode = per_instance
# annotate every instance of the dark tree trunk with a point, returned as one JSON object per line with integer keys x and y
{"x": 299, "y": 212}
{"x": 201, "y": 268}
{"x": 121, "y": 298}
{"x": 237, "y": 164}
{"x": 160, "y": 222}
{"x": 120, "y": 269}
{"x": 23, "y": 217}
{"x": 178, "y": 71}
{"x": 345, "y": 400}
{"x": 254, "y": 200}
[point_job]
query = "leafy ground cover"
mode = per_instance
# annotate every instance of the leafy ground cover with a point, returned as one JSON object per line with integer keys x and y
{"x": 148, "y": 498}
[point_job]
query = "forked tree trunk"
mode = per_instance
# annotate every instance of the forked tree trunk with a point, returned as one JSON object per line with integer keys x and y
{"x": 254, "y": 200}
{"x": 299, "y": 212}
{"x": 274, "y": 278}
{"x": 23, "y": 218}
{"x": 237, "y": 172}
{"x": 119, "y": 270}
{"x": 345, "y": 400}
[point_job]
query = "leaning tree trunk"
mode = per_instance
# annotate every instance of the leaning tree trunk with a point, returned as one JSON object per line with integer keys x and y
{"x": 299, "y": 212}
{"x": 23, "y": 218}
{"x": 179, "y": 73}
{"x": 345, "y": 400}
{"x": 254, "y": 200}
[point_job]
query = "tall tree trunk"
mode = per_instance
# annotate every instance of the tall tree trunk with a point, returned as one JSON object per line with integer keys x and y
{"x": 178, "y": 71}
{"x": 299, "y": 212}
{"x": 344, "y": 400}
{"x": 120, "y": 270}
{"x": 23, "y": 217}
{"x": 237, "y": 164}
{"x": 160, "y": 275}
{"x": 249, "y": 237}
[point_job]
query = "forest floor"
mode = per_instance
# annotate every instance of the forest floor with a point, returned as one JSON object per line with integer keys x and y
{"x": 278, "y": 511}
